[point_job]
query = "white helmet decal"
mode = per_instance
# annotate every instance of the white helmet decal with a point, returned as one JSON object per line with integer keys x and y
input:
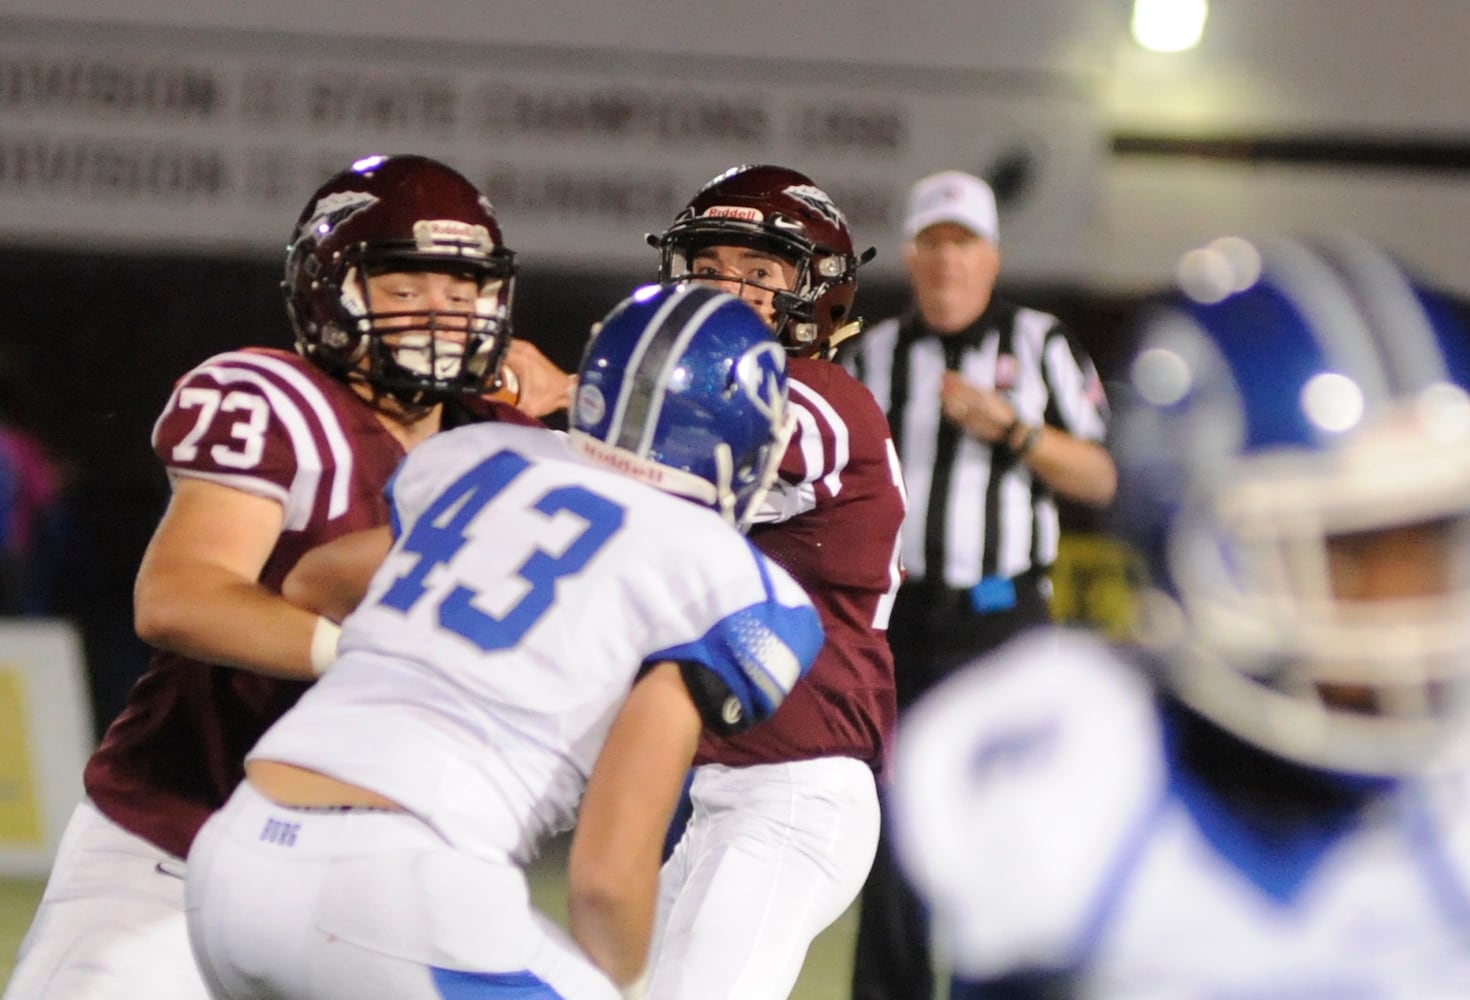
{"x": 330, "y": 212}
{"x": 758, "y": 373}
{"x": 817, "y": 200}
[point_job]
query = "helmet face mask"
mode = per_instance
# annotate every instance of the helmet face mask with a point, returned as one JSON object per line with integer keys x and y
{"x": 683, "y": 387}
{"x": 405, "y": 215}
{"x": 1294, "y": 464}
{"x": 780, "y": 212}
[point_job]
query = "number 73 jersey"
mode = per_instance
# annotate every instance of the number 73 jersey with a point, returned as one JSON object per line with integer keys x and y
{"x": 525, "y": 592}
{"x": 271, "y": 424}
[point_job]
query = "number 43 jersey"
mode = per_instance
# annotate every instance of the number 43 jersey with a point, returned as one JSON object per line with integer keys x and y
{"x": 526, "y": 591}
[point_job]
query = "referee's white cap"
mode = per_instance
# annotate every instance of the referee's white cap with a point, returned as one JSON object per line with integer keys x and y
{"x": 952, "y": 196}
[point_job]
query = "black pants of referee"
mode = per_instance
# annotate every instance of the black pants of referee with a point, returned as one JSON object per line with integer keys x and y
{"x": 933, "y": 632}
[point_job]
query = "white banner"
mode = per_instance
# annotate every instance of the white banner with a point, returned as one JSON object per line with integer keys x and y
{"x": 188, "y": 138}
{"x": 45, "y": 739}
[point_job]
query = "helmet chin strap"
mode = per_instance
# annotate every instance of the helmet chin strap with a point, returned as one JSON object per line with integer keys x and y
{"x": 844, "y": 332}
{"x": 785, "y": 428}
{"x": 724, "y": 481}
{"x": 411, "y": 405}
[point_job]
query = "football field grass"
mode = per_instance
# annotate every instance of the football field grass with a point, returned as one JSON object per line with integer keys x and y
{"x": 17, "y": 903}
{"x": 826, "y": 976}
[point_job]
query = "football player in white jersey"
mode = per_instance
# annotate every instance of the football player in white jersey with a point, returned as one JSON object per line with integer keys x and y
{"x": 558, "y": 619}
{"x": 1264, "y": 796}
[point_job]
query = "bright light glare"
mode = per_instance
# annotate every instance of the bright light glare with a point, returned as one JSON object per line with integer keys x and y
{"x": 1445, "y": 410}
{"x": 1162, "y": 377}
{"x": 1211, "y": 273}
{"x": 1204, "y": 275}
{"x": 1333, "y": 402}
{"x": 1169, "y": 25}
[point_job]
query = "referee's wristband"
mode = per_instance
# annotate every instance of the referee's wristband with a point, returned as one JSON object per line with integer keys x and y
{"x": 1028, "y": 441}
{"x": 324, "y": 644}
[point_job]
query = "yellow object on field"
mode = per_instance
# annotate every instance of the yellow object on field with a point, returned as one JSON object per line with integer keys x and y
{"x": 45, "y": 738}
{"x": 1093, "y": 583}
{"x": 20, "y": 809}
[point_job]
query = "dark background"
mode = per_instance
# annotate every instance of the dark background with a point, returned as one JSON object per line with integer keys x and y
{"x": 93, "y": 344}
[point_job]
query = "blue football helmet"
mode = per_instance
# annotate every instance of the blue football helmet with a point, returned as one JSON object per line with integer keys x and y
{"x": 1292, "y": 401}
{"x": 684, "y": 387}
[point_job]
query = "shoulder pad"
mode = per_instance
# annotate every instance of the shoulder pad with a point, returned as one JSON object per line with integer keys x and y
{"x": 1016, "y": 783}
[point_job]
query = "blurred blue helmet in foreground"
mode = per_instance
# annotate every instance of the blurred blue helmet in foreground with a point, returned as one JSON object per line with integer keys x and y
{"x": 1291, "y": 413}
{"x": 684, "y": 387}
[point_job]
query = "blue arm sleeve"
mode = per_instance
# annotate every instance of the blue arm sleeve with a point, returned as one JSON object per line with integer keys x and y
{"x": 749, "y": 661}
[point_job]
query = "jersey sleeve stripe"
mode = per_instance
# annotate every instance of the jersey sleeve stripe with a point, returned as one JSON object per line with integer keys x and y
{"x": 326, "y": 418}
{"x": 812, "y": 412}
{"x": 1069, "y": 384}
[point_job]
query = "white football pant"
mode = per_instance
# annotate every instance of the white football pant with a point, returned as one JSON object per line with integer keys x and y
{"x": 297, "y": 904}
{"x": 772, "y": 855}
{"x": 111, "y": 922}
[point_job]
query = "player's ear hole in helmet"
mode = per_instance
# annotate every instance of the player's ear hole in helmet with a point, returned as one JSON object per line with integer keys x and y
{"x": 683, "y": 387}
{"x": 781, "y": 212}
{"x": 1294, "y": 467}
{"x": 443, "y": 330}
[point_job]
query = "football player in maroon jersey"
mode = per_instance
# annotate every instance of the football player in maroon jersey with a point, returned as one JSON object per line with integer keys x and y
{"x": 785, "y": 819}
{"x": 398, "y": 285}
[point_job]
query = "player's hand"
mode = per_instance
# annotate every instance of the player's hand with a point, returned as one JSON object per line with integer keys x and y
{"x": 982, "y": 413}
{"x": 535, "y": 385}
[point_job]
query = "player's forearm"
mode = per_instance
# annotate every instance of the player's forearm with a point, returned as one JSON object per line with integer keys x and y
{"x": 235, "y": 624}
{"x": 332, "y": 579}
{"x": 613, "y": 924}
{"x": 541, "y": 388}
{"x": 1082, "y": 471}
{"x": 612, "y": 872}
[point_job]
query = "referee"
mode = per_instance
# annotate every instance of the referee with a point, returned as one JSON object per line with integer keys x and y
{"x": 995, "y": 410}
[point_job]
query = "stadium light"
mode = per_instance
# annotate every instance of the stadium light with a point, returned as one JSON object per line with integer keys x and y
{"x": 1169, "y": 25}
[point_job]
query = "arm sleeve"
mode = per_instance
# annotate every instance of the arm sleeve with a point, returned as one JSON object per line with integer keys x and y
{"x": 754, "y": 655}
{"x": 1076, "y": 400}
{"x": 259, "y": 424}
{"x": 818, "y": 450}
{"x": 228, "y": 423}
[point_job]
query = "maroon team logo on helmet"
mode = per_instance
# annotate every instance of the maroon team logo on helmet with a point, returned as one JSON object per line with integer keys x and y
{"x": 334, "y": 209}
{"x": 817, "y": 200}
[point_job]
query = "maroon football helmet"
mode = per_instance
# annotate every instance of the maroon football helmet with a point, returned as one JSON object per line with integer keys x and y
{"x": 779, "y": 211}
{"x": 389, "y": 214}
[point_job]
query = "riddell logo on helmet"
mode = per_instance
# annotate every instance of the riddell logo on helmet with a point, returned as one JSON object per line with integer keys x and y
{"x": 739, "y": 212}
{"x": 618, "y": 459}
{"x": 450, "y": 234}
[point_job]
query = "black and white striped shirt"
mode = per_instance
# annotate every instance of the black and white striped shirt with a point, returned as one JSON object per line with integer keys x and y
{"x": 997, "y": 518}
